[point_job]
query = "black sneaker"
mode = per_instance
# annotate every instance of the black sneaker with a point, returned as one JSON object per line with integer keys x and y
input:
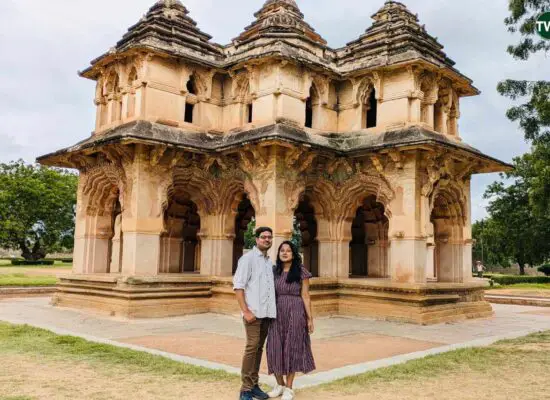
{"x": 246, "y": 396}
{"x": 258, "y": 393}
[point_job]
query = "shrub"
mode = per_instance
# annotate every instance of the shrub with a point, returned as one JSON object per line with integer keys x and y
{"x": 31, "y": 263}
{"x": 545, "y": 269}
{"x": 515, "y": 279}
{"x": 63, "y": 260}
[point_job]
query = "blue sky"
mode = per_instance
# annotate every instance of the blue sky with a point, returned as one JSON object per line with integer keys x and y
{"x": 45, "y": 106}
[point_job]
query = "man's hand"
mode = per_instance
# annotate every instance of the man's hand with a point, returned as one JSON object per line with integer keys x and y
{"x": 249, "y": 317}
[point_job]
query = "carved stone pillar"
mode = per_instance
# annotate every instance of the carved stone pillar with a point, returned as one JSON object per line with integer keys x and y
{"x": 116, "y": 247}
{"x": 217, "y": 244}
{"x": 142, "y": 220}
{"x": 334, "y": 253}
{"x": 408, "y": 241}
{"x": 274, "y": 187}
{"x": 94, "y": 222}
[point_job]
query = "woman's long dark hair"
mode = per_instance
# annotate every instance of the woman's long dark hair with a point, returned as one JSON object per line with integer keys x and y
{"x": 295, "y": 273}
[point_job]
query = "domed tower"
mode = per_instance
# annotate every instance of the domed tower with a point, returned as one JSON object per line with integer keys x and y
{"x": 359, "y": 148}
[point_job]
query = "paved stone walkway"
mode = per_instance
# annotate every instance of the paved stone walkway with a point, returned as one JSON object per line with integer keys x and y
{"x": 342, "y": 346}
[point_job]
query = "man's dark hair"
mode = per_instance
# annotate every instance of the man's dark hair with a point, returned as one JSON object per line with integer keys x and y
{"x": 263, "y": 229}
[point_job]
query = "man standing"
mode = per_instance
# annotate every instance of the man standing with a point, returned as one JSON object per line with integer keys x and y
{"x": 255, "y": 289}
{"x": 479, "y": 269}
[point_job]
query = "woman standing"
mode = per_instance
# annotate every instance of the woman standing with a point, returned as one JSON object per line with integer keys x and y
{"x": 288, "y": 341}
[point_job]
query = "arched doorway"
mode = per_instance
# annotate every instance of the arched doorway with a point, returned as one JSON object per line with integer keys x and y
{"x": 245, "y": 214}
{"x": 305, "y": 217}
{"x": 369, "y": 243}
{"x": 180, "y": 244}
{"x": 448, "y": 223}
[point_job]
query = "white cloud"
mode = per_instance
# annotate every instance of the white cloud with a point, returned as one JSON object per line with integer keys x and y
{"x": 44, "y": 105}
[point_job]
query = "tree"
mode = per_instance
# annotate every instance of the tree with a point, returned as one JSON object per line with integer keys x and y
{"x": 533, "y": 114}
{"x": 37, "y": 208}
{"x": 489, "y": 243}
{"x": 249, "y": 235}
{"x": 296, "y": 235}
{"x": 516, "y": 231}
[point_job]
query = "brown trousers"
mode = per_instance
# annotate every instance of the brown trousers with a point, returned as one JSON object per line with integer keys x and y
{"x": 256, "y": 334}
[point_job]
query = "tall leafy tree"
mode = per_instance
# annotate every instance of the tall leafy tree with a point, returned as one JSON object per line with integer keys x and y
{"x": 516, "y": 232}
{"x": 533, "y": 97}
{"x": 37, "y": 208}
{"x": 490, "y": 244}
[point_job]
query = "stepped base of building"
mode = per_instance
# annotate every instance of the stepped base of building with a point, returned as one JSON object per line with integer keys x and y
{"x": 178, "y": 295}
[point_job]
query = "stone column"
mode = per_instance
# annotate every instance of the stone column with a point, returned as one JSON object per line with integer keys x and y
{"x": 430, "y": 262}
{"x": 116, "y": 247}
{"x": 274, "y": 188}
{"x": 217, "y": 244}
{"x": 334, "y": 252}
{"x": 142, "y": 219}
{"x": 407, "y": 242}
{"x": 93, "y": 234}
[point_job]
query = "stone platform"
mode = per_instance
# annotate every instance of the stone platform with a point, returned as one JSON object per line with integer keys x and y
{"x": 171, "y": 295}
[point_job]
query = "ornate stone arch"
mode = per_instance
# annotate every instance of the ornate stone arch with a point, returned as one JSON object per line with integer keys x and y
{"x": 102, "y": 185}
{"x": 216, "y": 191}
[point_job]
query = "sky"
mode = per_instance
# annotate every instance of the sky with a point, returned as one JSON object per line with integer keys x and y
{"x": 45, "y": 105}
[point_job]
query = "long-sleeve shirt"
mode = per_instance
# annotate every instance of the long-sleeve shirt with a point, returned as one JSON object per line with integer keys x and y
{"x": 255, "y": 276}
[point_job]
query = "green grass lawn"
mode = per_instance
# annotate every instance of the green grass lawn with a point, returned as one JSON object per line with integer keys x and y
{"x": 27, "y": 276}
{"x": 487, "y": 372}
{"x": 536, "y": 286}
{"x": 66, "y": 367}
{"x": 57, "y": 264}
{"x": 22, "y": 280}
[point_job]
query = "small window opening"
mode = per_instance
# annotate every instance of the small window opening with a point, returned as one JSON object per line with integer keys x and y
{"x": 372, "y": 110}
{"x": 189, "y": 113}
{"x": 309, "y": 113}
{"x": 191, "y": 87}
{"x": 249, "y": 113}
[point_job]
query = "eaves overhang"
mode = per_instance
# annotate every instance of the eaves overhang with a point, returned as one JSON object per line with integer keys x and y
{"x": 341, "y": 145}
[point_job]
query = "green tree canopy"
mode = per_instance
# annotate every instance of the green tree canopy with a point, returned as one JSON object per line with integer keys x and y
{"x": 37, "y": 208}
{"x": 533, "y": 97}
{"x": 514, "y": 232}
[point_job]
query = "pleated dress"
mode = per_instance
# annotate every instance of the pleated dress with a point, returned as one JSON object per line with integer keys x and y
{"x": 288, "y": 341}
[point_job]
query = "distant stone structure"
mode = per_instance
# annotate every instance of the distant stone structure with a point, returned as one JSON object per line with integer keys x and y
{"x": 193, "y": 139}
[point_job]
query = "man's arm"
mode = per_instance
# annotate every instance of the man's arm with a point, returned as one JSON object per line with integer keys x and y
{"x": 247, "y": 314}
{"x": 240, "y": 280}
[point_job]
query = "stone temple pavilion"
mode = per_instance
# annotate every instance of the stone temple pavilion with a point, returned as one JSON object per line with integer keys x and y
{"x": 193, "y": 139}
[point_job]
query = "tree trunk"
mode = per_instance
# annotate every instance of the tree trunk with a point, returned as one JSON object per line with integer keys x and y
{"x": 37, "y": 253}
{"x": 522, "y": 269}
{"x": 25, "y": 252}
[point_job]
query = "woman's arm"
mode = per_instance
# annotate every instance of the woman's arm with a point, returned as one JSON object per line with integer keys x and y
{"x": 307, "y": 302}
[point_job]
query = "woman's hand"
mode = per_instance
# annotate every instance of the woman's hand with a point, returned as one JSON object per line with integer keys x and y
{"x": 310, "y": 327}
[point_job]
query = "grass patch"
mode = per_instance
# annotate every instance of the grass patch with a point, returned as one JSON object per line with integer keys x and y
{"x": 56, "y": 265}
{"x": 473, "y": 360}
{"x": 16, "y": 398}
{"x": 23, "y": 280}
{"x": 26, "y": 340}
{"x": 535, "y": 286}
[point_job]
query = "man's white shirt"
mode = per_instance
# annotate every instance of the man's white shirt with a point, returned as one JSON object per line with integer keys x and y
{"x": 255, "y": 276}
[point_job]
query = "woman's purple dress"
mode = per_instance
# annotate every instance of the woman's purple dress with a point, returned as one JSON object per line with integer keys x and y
{"x": 288, "y": 342}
